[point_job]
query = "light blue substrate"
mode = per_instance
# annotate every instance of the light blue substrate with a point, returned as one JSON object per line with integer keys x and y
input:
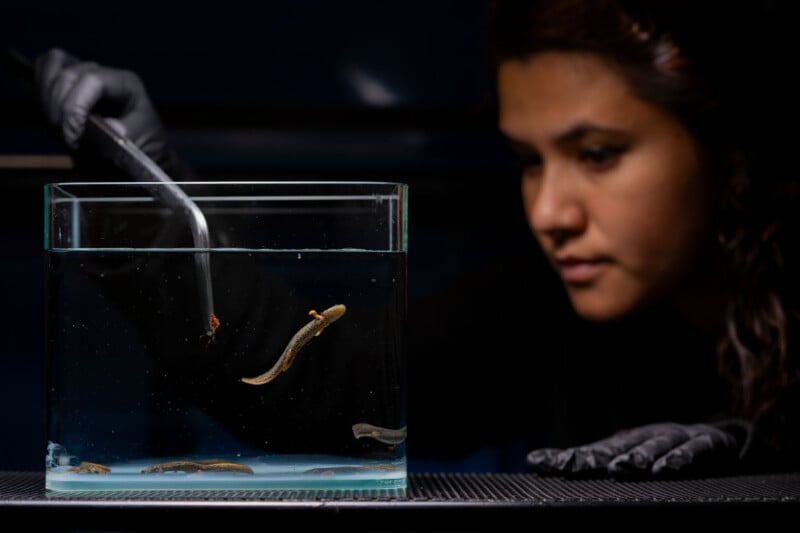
{"x": 274, "y": 472}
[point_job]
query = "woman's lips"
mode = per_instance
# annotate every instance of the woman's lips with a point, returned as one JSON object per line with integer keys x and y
{"x": 579, "y": 270}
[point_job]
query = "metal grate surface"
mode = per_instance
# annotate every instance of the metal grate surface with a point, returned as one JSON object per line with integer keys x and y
{"x": 432, "y": 503}
{"x": 483, "y": 488}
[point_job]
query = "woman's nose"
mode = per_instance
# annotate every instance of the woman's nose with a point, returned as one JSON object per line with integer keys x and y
{"x": 553, "y": 206}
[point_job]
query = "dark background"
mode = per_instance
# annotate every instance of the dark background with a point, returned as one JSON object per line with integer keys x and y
{"x": 395, "y": 91}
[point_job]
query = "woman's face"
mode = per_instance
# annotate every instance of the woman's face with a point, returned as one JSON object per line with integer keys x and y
{"x": 612, "y": 186}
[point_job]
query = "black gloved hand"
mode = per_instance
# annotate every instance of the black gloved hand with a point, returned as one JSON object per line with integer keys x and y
{"x": 70, "y": 89}
{"x": 661, "y": 450}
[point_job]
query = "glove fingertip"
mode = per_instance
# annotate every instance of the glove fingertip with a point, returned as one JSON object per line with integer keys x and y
{"x": 537, "y": 456}
{"x": 73, "y": 128}
{"x": 629, "y": 463}
{"x": 672, "y": 462}
{"x": 543, "y": 460}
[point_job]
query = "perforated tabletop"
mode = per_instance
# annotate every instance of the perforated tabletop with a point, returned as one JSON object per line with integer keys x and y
{"x": 433, "y": 502}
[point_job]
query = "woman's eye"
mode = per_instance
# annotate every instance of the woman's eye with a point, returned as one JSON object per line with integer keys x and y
{"x": 601, "y": 156}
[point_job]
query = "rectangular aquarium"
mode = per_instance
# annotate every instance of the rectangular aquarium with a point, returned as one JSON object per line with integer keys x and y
{"x": 226, "y": 335}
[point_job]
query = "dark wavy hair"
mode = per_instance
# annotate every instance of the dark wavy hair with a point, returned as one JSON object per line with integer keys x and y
{"x": 722, "y": 70}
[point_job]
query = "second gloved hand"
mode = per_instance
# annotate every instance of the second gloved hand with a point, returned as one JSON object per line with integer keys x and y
{"x": 70, "y": 89}
{"x": 661, "y": 449}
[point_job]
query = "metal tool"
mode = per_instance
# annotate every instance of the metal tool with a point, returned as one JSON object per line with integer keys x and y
{"x": 124, "y": 154}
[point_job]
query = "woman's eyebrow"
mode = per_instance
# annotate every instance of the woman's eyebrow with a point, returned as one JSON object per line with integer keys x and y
{"x": 583, "y": 129}
{"x": 572, "y": 135}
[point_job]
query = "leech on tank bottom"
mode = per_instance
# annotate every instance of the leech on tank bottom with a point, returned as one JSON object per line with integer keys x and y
{"x": 305, "y": 334}
{"x": 90, "y": 468}
{"x": 350, "y": 469}
{"x": 203, "y": 465}
{"x": 385, "y": 435}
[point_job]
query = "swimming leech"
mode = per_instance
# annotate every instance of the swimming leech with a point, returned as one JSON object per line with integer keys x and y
{"x": 304, "y": 334}
{"x": 381, "y": 434}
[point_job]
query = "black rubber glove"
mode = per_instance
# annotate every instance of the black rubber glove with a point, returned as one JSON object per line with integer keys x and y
{"x": 659, "y": 450}
{"x": 70, "y": 89}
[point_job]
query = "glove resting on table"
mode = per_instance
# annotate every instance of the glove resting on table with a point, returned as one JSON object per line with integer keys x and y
{"x": 659, "y": 450}
{"x": 70, "y": 89}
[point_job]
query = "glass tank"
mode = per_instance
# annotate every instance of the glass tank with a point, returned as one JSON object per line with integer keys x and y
{"x": 226, "y": 335}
